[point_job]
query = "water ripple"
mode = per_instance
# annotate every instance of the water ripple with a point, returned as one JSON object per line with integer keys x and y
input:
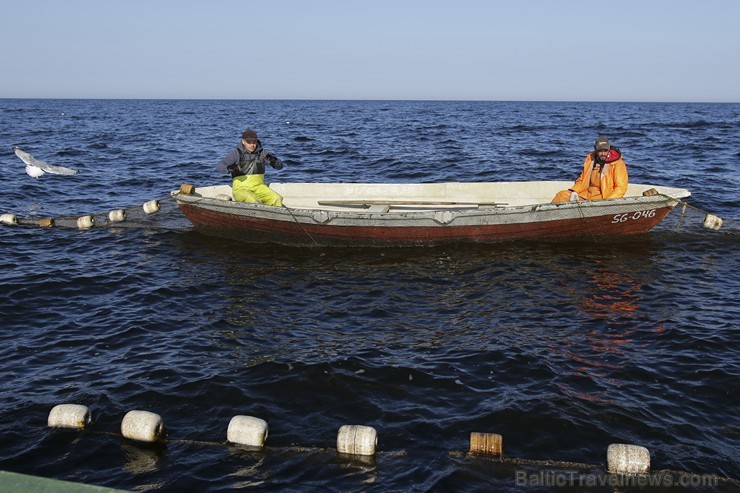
{"x": 563, "y": 348}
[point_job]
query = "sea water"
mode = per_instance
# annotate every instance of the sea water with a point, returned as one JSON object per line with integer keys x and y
{"x": 562, "y": 348}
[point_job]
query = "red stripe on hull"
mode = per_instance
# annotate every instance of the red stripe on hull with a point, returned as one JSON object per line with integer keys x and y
{"x": 260, "y": 230}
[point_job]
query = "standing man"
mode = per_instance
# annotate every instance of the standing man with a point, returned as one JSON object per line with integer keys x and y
{"x": 246, "y": 163}
{"x": 604, "y": 175}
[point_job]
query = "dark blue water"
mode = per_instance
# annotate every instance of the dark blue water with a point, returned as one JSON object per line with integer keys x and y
{"x": 561, "y": 348}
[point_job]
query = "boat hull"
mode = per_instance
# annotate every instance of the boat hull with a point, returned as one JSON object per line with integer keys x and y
{"x": 301, "y": 226}
{"x": 260, "y": 230}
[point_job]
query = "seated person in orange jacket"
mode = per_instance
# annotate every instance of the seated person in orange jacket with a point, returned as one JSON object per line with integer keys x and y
{"x": 604, "y": 176}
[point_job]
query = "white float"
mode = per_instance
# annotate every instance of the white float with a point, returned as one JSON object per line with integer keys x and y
{"x": 623, "y": 458}
{"x": 85, "y": 222}
{"x": 247, "y": 430}
{"x": 223, "y": 196}
{"x": 8, "y": 219}
{"x": 151, "y": 207}
{"x": 69, "y": 416}
{"x": 712, "y": 222}
{"x": 117, "y": 216}
{"x": 357, "y": 440}
{"x": 142, "y": 426}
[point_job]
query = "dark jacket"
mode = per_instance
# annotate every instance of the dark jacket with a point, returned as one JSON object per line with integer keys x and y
{"x": 240, "y": 162}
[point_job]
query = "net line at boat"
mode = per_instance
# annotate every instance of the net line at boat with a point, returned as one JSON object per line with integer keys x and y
{"x": 683, "y": 216}
{"x": 161, "y": 213}
{"x": 710, "y": 221}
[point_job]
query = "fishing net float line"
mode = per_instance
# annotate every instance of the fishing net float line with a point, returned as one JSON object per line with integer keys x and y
{"x": 625, "y": 463}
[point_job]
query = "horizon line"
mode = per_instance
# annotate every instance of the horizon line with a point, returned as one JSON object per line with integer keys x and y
{"x": 462, "y": 100}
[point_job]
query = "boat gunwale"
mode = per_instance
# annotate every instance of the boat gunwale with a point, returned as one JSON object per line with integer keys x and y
{"x": 669, "y": 195}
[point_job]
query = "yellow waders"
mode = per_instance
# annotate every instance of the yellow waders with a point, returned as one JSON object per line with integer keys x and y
{"x": 252, "y": 188}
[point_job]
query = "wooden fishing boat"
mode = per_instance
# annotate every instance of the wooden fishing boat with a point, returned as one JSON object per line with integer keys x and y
{"x": 414, "y": 214}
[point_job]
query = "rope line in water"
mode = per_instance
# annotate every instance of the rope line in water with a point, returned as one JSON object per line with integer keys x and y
{"x": 710, "y": 216}
{"x": 299, "y": 449}
{"x": 583, "y": 217}
{"x": 711, "y": 221}
{"x": 359, "y": 443}
{"x": 301, "y": 226}
{"x": 568, "y": 468}
{"x": 114, "y": 218}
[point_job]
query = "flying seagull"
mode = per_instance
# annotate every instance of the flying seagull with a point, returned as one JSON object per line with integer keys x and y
{"x": 36, "y": 167}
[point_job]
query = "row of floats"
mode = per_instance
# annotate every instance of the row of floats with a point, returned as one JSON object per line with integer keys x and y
{"x": 250, "y": 431}
{"x": 84, "y": 222}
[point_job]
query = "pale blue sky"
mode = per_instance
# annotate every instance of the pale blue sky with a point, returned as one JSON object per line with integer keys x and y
{"x": 552, "y": 50}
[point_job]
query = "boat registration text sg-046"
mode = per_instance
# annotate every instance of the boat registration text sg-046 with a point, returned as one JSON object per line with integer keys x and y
{"x": 620, "y": 218}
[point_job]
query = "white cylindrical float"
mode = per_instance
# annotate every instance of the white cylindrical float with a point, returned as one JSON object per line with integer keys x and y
{"x": 247, "y": 430}
{"x": 117, "y": 216}
{"x": 69, "y": 416}
{"x": 623, "y": 458}
{"x": 712, "y": 222}
{"x": 357, "y": 440}
{"x": 486, "y": 444}
{"x": 85, "y": 222}
{"x": 223, "y": 196}
{"x": 151, "y": 207}
{"x": 142, "y": 426}
{"x": 8, "y": 219}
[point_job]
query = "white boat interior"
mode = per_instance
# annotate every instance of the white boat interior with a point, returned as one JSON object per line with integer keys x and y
{"x": 383, "y": 197}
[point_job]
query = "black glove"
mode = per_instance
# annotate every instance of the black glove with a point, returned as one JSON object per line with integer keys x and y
{"x": 274, "y": 162}
{"x": 234, "y": 170}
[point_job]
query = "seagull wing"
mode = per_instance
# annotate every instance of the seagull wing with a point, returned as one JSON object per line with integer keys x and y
{"x": 57, "y": 170}
{"x": 36, "y": 167}
{"x": 34, "y": 171}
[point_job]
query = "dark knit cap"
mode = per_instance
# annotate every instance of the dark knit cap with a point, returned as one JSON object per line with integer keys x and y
{"x": 249, "y": 134}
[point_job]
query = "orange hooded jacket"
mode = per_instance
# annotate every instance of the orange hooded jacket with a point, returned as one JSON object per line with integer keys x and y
{"x": 614, "y": 177}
